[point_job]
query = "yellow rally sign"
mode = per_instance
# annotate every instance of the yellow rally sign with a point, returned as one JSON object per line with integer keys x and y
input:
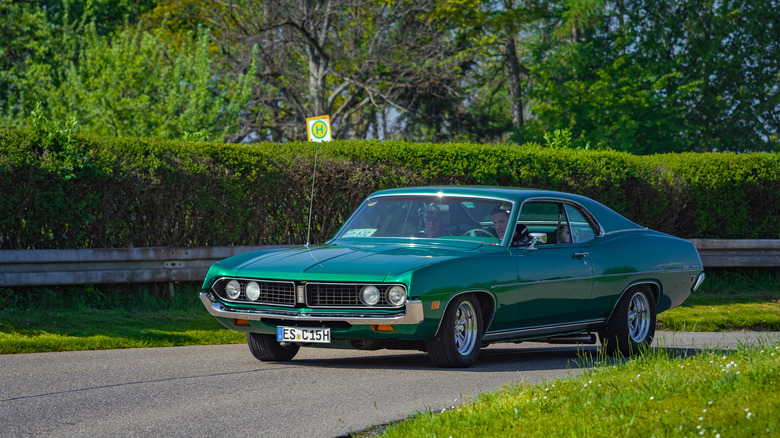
{"x": 318, "y": 128}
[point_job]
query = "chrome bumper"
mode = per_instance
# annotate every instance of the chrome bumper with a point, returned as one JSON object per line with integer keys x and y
{"x": 413, "y": 315}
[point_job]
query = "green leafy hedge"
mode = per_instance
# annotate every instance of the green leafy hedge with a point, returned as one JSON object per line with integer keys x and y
{"x": 60, "y": 191}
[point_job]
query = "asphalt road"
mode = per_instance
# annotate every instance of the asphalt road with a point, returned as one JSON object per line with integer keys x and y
{"x": 223, "y": 390}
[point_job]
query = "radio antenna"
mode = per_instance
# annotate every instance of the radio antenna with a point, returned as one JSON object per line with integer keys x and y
{"x": 311, "y": 198}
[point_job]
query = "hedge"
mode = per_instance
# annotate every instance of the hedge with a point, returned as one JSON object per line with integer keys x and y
{"x": 90, "y": 192}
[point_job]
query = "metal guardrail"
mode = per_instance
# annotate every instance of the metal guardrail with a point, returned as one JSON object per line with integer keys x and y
{"x": 724, "y": 253}
{"x": 50, "y": 267}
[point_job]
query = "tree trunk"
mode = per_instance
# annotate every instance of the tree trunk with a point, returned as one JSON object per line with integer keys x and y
{"x": 515, "y": 87}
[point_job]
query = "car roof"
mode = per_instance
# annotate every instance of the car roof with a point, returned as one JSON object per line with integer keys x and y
{"x": 609, "y": 219}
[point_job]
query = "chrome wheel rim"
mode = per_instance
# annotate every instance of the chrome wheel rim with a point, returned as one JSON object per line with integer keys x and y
{"x": 638, "y": 317}
{"x": 465, "y": 328}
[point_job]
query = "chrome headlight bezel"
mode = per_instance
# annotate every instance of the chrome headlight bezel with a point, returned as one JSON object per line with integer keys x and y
{"x": 252, "y": 291}
{"x": 370, "y": 295}
{"x": 233, "y": 289}
{"x": 396, "y": 295}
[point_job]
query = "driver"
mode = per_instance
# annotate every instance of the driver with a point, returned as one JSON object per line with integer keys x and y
{"x": 500, "y": 218}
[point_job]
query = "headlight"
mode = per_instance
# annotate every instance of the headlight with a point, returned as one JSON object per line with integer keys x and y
{"x": 233, "y": 289}
{"x": 396, "y": 295}
{"x": 252, "y": 291}
{"x": 370, "y": 295}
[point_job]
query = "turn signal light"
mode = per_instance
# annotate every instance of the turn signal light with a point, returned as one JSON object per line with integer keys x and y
{"x": 382, "y": 328}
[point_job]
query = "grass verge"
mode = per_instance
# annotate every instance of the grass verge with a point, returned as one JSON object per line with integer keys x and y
{"x": 663, "y": 393}
{"x": 98, "y": 318}
{"x": 729, "y": 300}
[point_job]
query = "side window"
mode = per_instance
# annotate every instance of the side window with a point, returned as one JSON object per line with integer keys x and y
{"x": 546, "y": 217}
{"x": 581, "y": 228}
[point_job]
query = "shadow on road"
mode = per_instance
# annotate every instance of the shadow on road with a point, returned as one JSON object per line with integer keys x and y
{"x": 492, "y": 359}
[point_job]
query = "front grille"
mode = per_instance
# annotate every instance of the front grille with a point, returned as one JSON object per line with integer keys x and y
{"x": 318, "y": 295}
{"x": 343, "y": 295}
{"x": 271, "y": 292}
{"x": 276, "y": 293}
{"x": 333, "y": 295}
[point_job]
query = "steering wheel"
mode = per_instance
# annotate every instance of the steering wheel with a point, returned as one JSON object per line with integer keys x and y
{"x": 478, "y": 232}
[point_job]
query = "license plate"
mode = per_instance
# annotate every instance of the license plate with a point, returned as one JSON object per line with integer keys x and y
{"x": 298, "y": 334}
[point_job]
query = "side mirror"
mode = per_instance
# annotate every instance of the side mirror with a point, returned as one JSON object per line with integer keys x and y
{"x": 537, "y": 238}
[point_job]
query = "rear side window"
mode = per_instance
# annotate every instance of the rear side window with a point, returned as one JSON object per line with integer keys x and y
{"x": 581, "y": 229}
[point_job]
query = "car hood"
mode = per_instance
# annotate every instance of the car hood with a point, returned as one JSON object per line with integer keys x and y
{"x": 350, "y": 262}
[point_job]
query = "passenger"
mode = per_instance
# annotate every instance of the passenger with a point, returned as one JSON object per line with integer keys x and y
{"x": 436, "y": 218}
{"x": 522, "y": 236}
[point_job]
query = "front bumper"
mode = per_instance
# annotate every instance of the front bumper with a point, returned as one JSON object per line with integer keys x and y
{"x": 412, "y": 316}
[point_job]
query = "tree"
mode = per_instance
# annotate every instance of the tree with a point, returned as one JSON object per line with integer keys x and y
{"x": 647, "y": 76}
{"x": 351, "y": 59}
{"x": 132, "y": 85}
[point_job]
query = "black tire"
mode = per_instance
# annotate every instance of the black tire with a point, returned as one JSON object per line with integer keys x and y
{"x": 267, "y": 349}
{"x": 632, "y": 326}
{"x": 457, "y": 343}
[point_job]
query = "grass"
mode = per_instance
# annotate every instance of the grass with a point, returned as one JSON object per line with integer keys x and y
{"x": 89, "y": 318}
{"x": 662, "y": 393}
{"x": 111, "y": 316}
{"x": 729, "y": 300}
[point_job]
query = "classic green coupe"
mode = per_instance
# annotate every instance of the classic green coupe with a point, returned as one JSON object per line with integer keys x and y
{"x": 448, "y": 270}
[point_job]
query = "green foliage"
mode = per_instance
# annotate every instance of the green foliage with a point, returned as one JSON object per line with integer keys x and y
{"x": 127, "y": 86}
{"x": 131, "y": 192}
{"x": 642, "y": 76}
{"x": 653, "y": 77}
{"x": 114, "y": 78}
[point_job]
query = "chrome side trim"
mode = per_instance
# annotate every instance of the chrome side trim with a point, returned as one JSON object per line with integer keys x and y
{"x": 543, "y": 330}
{"x": 413, "y": 314}
{"x": 596, "y": 277}
{"x": 626, "y": 230}
{"x": 621, "y": 274}
{"x": 526, "y": 283}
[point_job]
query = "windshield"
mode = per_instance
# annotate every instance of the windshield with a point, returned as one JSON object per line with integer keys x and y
{"x": 430, "y": 216}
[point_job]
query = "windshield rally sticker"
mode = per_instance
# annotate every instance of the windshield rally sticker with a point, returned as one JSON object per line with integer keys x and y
{"x": 358, "y": 232}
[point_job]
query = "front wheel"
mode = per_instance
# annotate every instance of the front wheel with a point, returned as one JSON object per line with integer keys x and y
{"x": 632, "y": 326}
{"x": 457, "y": 343}
{"x": 267, "y": 349}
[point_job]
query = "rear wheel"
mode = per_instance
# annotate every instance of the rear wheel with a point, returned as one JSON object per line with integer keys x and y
{"x": 457, "y": 343}
{"x": 632, "y": 326}
{"x": 266, "y": 348}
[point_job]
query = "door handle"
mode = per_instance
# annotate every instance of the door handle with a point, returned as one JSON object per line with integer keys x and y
{"x": 579, "y": 255}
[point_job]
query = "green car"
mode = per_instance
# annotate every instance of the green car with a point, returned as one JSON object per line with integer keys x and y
{"x": 448, "y": 270}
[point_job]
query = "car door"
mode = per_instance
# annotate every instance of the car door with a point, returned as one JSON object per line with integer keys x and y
{"x": 554, "y": 279}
